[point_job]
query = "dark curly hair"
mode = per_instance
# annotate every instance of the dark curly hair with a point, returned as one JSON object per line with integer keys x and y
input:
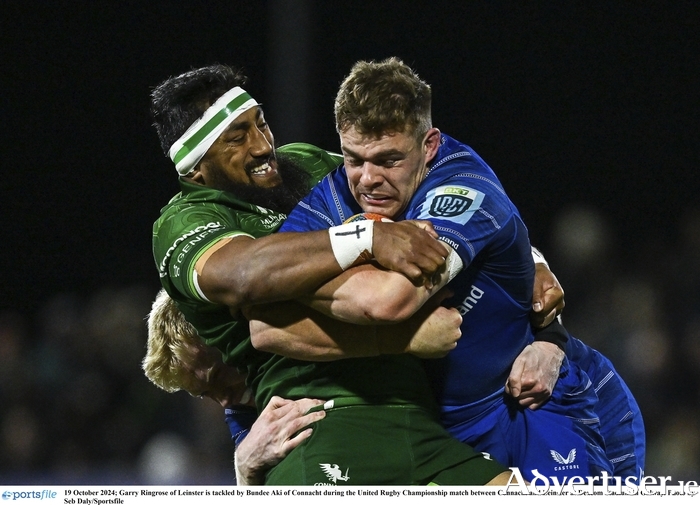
{"x": 179, "y": 101}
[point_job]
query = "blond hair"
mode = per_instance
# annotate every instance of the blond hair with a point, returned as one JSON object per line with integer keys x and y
{"x": 171, "y": 345}
{"x": 383, "y": 97}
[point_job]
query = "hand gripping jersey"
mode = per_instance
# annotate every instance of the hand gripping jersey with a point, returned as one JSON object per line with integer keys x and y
{"x": 192, "y": 222}
{"x": 471, "y": 212}
{"x": 198, "y": 217}
{"x": 466, "y": 203}
{"x": 383, "y": 404}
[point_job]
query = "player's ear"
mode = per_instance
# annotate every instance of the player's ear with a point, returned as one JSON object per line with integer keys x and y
{"x": 197, "y": 175}
{"x": 431, "y": 143}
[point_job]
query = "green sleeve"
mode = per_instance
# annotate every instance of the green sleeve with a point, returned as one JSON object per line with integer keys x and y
{"x": 315, "y": 160}
{"x": 180, "y": 238}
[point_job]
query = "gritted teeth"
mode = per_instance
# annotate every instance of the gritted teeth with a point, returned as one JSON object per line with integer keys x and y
{"x": 262, "y": 169}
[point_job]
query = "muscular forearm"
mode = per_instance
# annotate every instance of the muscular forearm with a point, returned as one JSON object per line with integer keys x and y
{"x": 299, "y": 332}
{"x": 368, "y": 295}
{"x": 285, "y": 328}
{"x": 278, "y": 267}
{"x": 241, "y": 271}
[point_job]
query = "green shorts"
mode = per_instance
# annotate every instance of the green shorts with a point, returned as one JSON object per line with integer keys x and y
{"x": 382, "y": 445}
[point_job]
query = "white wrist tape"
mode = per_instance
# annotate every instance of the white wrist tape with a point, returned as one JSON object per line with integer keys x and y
{"x": 538, "y": 257}
{"x": 352, "y": 242}
{"x": 454, "y": 264}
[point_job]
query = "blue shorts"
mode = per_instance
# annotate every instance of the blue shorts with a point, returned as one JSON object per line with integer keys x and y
{"x": 621, "y": 422}
{"x": 560, "y": 439}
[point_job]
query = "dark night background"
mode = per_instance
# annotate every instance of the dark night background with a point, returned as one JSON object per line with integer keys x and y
{"x": 588, "y": 111}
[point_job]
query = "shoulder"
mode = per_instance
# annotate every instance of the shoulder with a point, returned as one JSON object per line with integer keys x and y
{"x": 192, "y": 209}
{"x": 311, "y": 154}
{"x": 457, "y": 155}
{"x": 459, "y": 183}
{"x": 457, "y": 164}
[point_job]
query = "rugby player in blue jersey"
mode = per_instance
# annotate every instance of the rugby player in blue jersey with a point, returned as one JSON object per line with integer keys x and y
{"x": 399, "y": 166}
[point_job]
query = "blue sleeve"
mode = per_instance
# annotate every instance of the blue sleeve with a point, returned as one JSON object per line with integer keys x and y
{"x": 309, "y": 215}
{"x": 466, "y": 213}
{"x": 328, "y": 204}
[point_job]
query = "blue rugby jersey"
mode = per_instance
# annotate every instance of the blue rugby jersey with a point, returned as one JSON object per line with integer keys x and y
{"x": 471, "y": 212}
{"x": 465, "y": 201}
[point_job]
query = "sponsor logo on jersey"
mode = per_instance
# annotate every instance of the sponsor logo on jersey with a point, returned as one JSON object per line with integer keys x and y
{"x": 269, "y": 219}
{"x": 195, "y": 235}
{"x": 454, "y": 245}
{"x": 471, "y": 300}
{"x": 334, "y": 474}
{"x": 565, "y": 462}
{"x": 454, "y": 203}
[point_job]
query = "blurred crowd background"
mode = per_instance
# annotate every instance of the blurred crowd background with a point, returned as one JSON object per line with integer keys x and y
{"x": 588, "y": 111}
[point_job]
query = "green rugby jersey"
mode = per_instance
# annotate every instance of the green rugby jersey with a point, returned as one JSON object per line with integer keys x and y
{"x": 198, "y": 217}
{"x": 193, "y": 221}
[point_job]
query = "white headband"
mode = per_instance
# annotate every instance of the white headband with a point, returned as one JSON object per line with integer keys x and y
{"x": 196, "y": 141}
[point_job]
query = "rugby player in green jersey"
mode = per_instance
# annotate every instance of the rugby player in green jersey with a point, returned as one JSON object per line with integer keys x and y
{"x": 178, "y": 359}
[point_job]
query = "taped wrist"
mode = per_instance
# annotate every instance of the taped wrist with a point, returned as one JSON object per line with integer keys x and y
{"x": 554, "y": 333}
{"x": 454, "y": 264}
{"x": 352, "y": 242}
{"x": 538, "y": 257}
